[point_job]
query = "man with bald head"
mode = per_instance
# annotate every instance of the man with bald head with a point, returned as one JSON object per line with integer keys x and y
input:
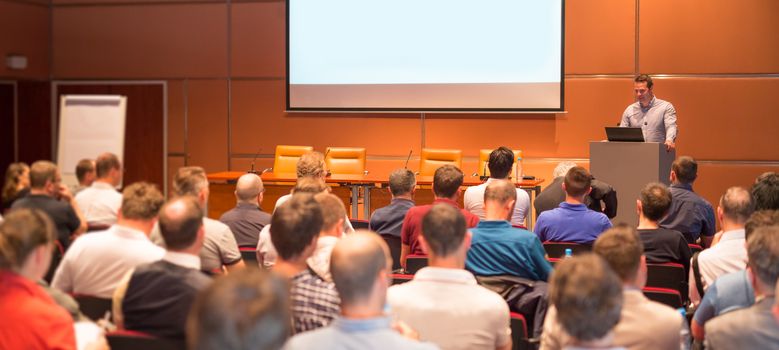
{"x": 156, "y": 297}
{"x": 500, "y": 249}
{"x": 360, "y": 265}
{"x": 247, "y": 219}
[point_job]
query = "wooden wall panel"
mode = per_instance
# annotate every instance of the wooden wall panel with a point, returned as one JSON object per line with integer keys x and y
{"x": 207, "y": 124}
{"x": 174, "y": 163}
{"x": 257, "y": 42}
{"x": 724, "y": 119}
{"x": 709, "y": 36}
{"x": 587, "y": 23}
{"x": 176, "y": 122}
{"x": 24, "y": 30}
{"x": 7, "y": 140}
{"x": 140, "y": 41}
{"x": 34, "y": 100}
{"x": 714, "y": 179}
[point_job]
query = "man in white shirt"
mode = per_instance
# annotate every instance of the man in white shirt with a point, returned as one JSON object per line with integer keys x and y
{"x": 500, "y": 163}
{"x": 443, "y": 302}
{"x": 100, "y": 202}
{"x": 95, "y": 263}
{"x": 332, "y": 229}
{"x": 730, "y": 254}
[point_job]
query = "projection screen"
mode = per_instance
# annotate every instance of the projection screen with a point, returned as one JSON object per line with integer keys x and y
{"x": 425, "y": 55}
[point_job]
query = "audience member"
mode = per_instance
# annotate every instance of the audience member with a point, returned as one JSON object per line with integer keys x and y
{"x": 16, "y": 184}
{"x": 446, "y": 189}
{"x": 219, "y": 248}
{"x": 587, "y": 301}
{"x": 360, "y": 266}
{"x": 434, "y": 302}
{"x": 245, "y": 310}
{"x": 602, "y": 198}
{"x": 753, "y": 327}
{"x": 500, "y": 163}
{"x": 100, "y": 202}
{"x": 689, "y": 214}
{"x": 156, "y": 298}
{"x": 731, "y": 291}
{"x": 30, "y": 318}
{"x": 499, "y": 249}
{"x": 48, "y": 194}
{"x": 85, "y": 174}
{"x": 765, "y": 191}
{"x": 389, "y": 220}
{"x": 729, "y": 255}
{"x": 247, "y": 219}
{"x": 95, "y": 263}
{"x": 333, "y": 213}
{"x": 660, "y": 245}
{"x": 572, "y": 221}
{"x": 294, "y": 228}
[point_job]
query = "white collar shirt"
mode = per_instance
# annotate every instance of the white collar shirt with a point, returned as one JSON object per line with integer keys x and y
{"x": 100, "y": 203}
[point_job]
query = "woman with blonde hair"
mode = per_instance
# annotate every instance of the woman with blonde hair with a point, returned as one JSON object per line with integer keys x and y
{"x": 16, "y": 185}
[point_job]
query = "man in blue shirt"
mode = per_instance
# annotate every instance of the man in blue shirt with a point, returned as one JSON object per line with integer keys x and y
{"x": 389, "y": 220}
{"x": 690, "y": 214}
{"x": 497, "y": 248}
{"x": 572, "y": 221}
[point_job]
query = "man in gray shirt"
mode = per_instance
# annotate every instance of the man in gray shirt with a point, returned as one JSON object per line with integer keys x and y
{"x": 655, "y": 117}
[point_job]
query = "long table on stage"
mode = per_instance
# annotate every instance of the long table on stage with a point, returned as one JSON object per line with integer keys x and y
{"x": 348, "y": 187}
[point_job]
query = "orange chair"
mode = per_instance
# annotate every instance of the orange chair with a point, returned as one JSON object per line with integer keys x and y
{"x": 432, "y": 159}
{"x": 286, "y": 159}
{"x": 484, "y": 157}
{"x": 345, "y": 160}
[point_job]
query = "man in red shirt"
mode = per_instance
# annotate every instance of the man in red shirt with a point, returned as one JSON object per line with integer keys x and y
{"x": 446, "y": 189}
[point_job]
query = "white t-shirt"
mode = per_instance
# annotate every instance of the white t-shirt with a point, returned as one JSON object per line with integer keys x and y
{"x": 99, "y": 203}
{"x": 474, "y": 203}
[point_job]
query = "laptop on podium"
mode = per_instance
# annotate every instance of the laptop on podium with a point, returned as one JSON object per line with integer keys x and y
{"x": 618, "y": 134}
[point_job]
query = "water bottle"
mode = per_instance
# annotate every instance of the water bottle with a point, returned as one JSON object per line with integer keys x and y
{"x": 568, "y": 253}
{"x": 518, "y": 170}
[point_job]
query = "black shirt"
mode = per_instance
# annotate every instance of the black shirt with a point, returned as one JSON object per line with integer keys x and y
{"x": 8, "y": 202}
{"x": 246, "y": 221}
{"x": 61, "y": 213}
{"x": 664, "y": 245}
{"x": 602, "y": 198}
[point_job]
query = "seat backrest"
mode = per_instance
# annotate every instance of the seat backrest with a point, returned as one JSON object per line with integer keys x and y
{"x": 432, "y": 159}
{"x": 249, "y": 255}
{"x": 286, "y": 159}
{"x": 694, "y": 248}
{"x": 415, "y": 262}
{"x": 399, "y": 278}
{"x": 557, "y": 249}
{"x": 394, "y": 244}
{"x": 484, "y": 157}
{"x": 345, "y": 160}
{"x": 665, "y": 296}
{"x": 518, "y": 331}
{"x": 132, "y": 340}
{"x": 93, "y": 307}
{"x": 360, "y": 224}
{"x": 667, "y": 275}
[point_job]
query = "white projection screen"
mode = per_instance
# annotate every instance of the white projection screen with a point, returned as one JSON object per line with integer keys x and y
{"x": 425, "y": 55}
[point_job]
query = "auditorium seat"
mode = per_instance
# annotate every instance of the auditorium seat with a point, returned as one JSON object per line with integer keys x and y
{"x": 669, "y": 276}
{"x": 93, "y": 307}
{"x": 415, "y": 262}
{"x": 432, "y": 159}
{"x": 694, "y": 248}
{"x": 359, "y": 224}
{"x": 557, "y": 249}
{"x": 394, "y": 244}
{"x": 670, "y": 297}
{"x": 398, "y": 278}
{"x": 519, "y": 332}
{"x": 97, "y": 227}
{"x": 345, "y": 160}
{"x": 484, "y": 157}
{"x": 286, "y": 158}
{"x": 249, "y": 255}
{"x": 132, "y": 340}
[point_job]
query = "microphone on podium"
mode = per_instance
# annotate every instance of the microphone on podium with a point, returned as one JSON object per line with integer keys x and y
{"x": 408, "y": 158}
{"x": 252, "y": 170}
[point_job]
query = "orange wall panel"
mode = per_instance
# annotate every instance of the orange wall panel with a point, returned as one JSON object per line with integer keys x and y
{"x": 709, "y": 36}
{"x": 207, "y": 124}
{"x": 599, "y": 36}
{"x": 715, "y": 178}
{"x": 257, "y": 42}
{"x": 24, "y": 30}
{"x": 174, "y": 163}
{"x": 176, "y": 123}
{"x": 140, "y": 41}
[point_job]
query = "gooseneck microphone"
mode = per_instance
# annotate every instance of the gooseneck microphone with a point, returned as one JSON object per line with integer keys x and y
{"x": 252, "y": 170}
{"x": 408, "y": 158}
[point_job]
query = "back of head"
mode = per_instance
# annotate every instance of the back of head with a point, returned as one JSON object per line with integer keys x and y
{"x": 311, "y": 164}
{"x": 562, "y": 168}
{"x": 333, "y": 209}
{"x": 41, "y": 172}
{"x": 141, "y": 201}
{"x": 245, "y": 310}
{"x": 577, "y": 181}
{"x": 21, "y": 231}
{"x": 12, "y": 175}
{"x": 587, "y": 296}
{"x": 84, "y": 167}
{"x": 622, "y": 249}
{"x": 356, "y": 262}
{"x": 402, "y": 181}
{"x": 686, "y": 169}
{"x": 500, "y": 162}
{"x": 763, "y": 255}
{"x": 312, "y": 185}
{"x": 760, "y": 218}
{"x": 655, "y": 200}
{"x": 500, "y": 191}
{"x": 248, "y": 187}
{"x": 105, "y": 163}
{"x": 737, "y": 204}
{"x": 180, "y": 220}
{"x": 765, "y": 192}
{"x": 189, "y": 181}
{"x": 295, "y": 224}
{"x": 446, "y": 181}
{"x": 443, "y": 228}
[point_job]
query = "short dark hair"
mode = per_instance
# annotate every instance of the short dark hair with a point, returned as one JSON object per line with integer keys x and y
{"x": 295, "y": 224}
{"x": 500, "y": 162}
{"x": 643, "y": 78}
{"x": 355, "y": 263}
{"x": 763, "y": 254}
{"x": 686, "y": 169}
{"x": 655, "y": 200}
{"x": 622, "y": 249}
{"x": 765, "y": 192}
{"x": 141, "y": 201}
{"x": 760, "y": 218}
{"x": 41, "y": 172}
{"x": 247, "y": 309}
{"x": 444, "y": 229}
{"x": 577, "y": 181}
{"x": 447, "y": 180}
{"x": 401, "y": 181}
{"x": 105, "y": 163}
{"x": 180, "y": 230}
{"x": 587, "y": 296}
{"x": 84, "y": 167}
{"x": 737, "y": 204}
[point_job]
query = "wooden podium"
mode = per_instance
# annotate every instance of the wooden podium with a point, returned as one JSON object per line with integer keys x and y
{"x": 628, "y": 167}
